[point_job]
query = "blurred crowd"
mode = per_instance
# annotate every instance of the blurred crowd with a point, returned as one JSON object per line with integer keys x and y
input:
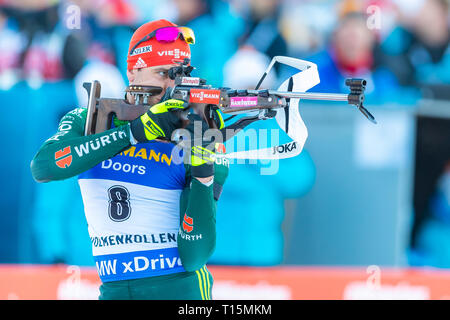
{"x": 400, "y": 46}
{"x": 392, "y": 43}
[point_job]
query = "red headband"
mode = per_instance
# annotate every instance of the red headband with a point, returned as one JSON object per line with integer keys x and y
{"x": 152, "y": 52}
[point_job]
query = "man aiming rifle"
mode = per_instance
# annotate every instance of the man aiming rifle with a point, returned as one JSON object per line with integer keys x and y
{"x": 151, "y": 220}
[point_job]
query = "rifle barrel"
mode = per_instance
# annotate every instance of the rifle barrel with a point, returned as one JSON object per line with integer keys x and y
{"x": 311, "y": 95}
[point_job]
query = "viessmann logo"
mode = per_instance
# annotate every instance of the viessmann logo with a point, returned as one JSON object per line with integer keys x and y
{"x": 176, "y": 53}
{"x": 63, "y": 158}
{"x": 204, "y": 96}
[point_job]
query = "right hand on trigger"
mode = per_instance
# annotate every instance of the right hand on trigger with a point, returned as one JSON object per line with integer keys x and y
{"x": 159, "y": 121}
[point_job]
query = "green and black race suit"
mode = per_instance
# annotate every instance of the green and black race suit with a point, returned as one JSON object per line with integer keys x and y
{"x": 147, "y": 217}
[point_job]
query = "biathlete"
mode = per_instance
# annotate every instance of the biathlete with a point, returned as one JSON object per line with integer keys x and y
{"x": 151, "y": 220}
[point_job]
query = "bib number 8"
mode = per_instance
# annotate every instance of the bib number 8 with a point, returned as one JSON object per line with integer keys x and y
{"x": 119, "y": 208}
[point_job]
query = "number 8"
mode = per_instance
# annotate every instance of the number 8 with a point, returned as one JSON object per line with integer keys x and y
{"x": 119, "y": 208}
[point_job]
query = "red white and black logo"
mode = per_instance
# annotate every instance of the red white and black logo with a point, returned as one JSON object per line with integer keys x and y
{"x": 209, "y": 96}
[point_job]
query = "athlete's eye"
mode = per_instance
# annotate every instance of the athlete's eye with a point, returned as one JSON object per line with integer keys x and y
{"x": 163, "y": 74}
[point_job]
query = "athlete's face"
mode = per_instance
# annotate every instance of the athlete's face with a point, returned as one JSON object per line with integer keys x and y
{"x": 152, "y": 76}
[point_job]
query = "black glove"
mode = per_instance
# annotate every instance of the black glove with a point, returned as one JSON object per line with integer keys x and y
{"x": 159, "y": 121}
{"x": 202, "y": 151}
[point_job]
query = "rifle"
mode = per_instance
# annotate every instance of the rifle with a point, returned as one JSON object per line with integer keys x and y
{"x": 232, "y": 101}
{"x": 281, "y": 104}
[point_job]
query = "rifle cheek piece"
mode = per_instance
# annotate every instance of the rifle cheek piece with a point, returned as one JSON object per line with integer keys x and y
{"x": 101, "y": 110}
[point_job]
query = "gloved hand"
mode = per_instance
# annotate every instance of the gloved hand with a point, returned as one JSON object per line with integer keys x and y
{"x": 159, "y": 121}
{"x": 202, "y": 152}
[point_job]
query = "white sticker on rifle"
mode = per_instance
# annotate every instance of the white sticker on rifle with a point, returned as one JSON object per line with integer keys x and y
{"x": 190, "y": 81}
{"x": 237, "y": 102}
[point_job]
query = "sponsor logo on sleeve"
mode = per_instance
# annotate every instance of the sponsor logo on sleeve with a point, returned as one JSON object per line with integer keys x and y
{"x": 64, "y": 128}
{"x": 220, "y": 148}
{"x": 188, "y": 223}
{"x": 188, "y": 227}
{"x": 63, "y": 158}
{"x": 100, "y": 142}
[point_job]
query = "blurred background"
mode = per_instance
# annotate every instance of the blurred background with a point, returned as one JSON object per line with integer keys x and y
{"x": 358, "y": 195}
